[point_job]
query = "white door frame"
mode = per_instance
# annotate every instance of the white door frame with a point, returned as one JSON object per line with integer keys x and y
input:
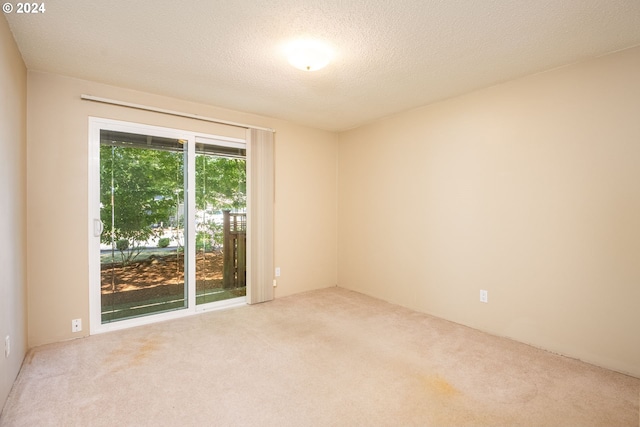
{"x": 95, "y": 227}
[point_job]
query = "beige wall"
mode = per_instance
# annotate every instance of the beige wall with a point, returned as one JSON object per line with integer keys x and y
{"x": 529, "y": 189}
{"x": 13, "y": 282}
{"x": 305, "y": 217}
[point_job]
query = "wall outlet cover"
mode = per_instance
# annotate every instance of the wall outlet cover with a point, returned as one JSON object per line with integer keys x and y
{"x": 484, "y": 296}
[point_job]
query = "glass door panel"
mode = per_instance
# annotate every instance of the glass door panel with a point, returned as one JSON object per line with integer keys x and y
{"x": 142, "y": 208}
{"x": 221, "y": 202}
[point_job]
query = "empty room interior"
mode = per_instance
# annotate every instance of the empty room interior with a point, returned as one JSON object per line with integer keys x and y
{"x": 339, "y": 213}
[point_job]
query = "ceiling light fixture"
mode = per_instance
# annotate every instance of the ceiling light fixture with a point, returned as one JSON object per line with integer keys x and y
{"x": 308, "y": 55}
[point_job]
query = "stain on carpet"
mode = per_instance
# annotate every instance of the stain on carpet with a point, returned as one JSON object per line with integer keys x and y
{"x": 134, "y": 354}
{"x": 438, "y": 386}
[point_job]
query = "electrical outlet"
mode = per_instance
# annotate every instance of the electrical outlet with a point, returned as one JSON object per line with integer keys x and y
{"x": 7, "y": 346}
{"x": 484, "y": 296}
{"x": 76, "y": 325}
{"x": 277, "y": 271}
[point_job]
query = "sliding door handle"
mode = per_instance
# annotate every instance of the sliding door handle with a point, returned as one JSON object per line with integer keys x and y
{"x": 98, "y": 227}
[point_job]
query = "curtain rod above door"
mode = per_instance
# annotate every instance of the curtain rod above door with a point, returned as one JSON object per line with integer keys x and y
{"x": 170, "y": 112}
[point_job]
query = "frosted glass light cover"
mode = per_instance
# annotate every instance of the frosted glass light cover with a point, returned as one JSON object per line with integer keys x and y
{"x": 309, "y": 55}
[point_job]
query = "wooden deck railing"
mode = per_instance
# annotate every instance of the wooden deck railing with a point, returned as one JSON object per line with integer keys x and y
{"x": 234, "y": 249}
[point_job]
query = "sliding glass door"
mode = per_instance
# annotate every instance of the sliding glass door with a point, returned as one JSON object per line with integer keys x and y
{"x": 163, "y": 247}
{"x": 221, "y": 221}
{"x": 142, "y": 188}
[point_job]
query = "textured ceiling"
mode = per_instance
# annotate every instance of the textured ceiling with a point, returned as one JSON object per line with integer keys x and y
{"x": 391, "y": 56}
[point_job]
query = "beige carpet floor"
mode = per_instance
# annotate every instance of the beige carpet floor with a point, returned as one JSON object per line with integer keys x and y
{"x": 323, "y": 358}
